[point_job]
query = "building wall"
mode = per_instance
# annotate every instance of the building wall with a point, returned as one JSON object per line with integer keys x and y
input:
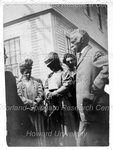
{"x": 76, "y": 15}
{"x": 47, "y": 32}
{"x": 62, "y": 28}
{"x": 10, "y": 10}
{"x": 35, "y": 41}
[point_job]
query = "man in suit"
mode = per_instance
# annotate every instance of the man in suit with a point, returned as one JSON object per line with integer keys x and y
{"x": 91, "y": 77}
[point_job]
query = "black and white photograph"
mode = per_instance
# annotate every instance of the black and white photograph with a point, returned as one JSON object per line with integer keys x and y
{"x": 56, "y": 68}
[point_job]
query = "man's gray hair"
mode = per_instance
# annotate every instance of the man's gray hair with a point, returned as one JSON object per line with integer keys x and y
{"x": 83, "y": 33}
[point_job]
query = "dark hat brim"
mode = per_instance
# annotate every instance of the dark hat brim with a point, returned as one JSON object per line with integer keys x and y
{"x": 48, "y": 61}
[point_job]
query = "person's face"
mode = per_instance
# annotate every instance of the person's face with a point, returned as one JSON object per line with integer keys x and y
{"x": 76, "y": 42}
{"x": 70, "y": 62}
{"x": 27, "y": 74}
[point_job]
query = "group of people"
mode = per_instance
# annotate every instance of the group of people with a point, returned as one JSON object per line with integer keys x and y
{"x": 62, "y": 112}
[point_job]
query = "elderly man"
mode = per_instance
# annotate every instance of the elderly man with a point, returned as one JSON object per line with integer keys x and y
{"x": 91, "y": 77}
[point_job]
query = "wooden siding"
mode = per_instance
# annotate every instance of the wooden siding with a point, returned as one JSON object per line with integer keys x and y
{"x": 46, "y": 32}
{"x": 61, "y": 27}
{"x": 35, "y": 40}
{"x": 23, "y": 10}
{"x": 75, "y": 14}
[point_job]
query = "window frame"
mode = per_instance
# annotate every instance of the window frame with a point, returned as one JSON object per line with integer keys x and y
{"x": 67, "y": 37}
{"x": 99, "y": 15}
{"x": 86, "y": 12}
{"x": 10, "y": 66}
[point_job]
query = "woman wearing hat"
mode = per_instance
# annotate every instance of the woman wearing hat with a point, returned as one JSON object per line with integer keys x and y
{"x": 60, "y": 116}
{"x": 30, "y": 90}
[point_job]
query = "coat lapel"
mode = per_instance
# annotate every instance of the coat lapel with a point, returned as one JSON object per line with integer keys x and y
{"x": 83, "y": 55}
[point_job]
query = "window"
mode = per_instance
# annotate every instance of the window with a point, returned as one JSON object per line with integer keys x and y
{"x": 105, "y": 8}
{"x": 99, "y": 16}
{"x": 87, "y": 10}
{"x": 12, "y": 47}
{"x": 68, "y": 44}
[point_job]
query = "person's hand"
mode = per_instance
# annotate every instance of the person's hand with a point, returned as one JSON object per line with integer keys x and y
{"x": 34, "y": 103}
{"x": 38, "y": 99}
{"x": 49, "y": 96}
{"x": 54, "y": 94}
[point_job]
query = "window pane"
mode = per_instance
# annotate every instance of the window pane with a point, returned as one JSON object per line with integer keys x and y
{"x": 6, "y": 44}
{"x": 12, "y": 55}
{"x": 87, "y": 10}
{"x": 13, "y": 60}
{"x": 18, "y": 52}
{"x": 18, "y": 58}
{"x": 13, "y": 52}
{"x": 15, "y": 70}
{"x": 17, "y": 44}
{"x": 8, "y": 60}
{"x": 99, "y": 17}
{"x": 12, "y": 48}
{"x": 68, "y": 43}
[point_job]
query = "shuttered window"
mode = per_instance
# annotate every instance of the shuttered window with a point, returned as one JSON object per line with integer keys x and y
{"x": 87, "y": 10}
{"x": 99, "y": 17}
{"x": 68, "y": 44}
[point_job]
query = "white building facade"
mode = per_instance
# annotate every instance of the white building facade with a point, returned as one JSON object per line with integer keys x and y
{"x": 32, "y": 31}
